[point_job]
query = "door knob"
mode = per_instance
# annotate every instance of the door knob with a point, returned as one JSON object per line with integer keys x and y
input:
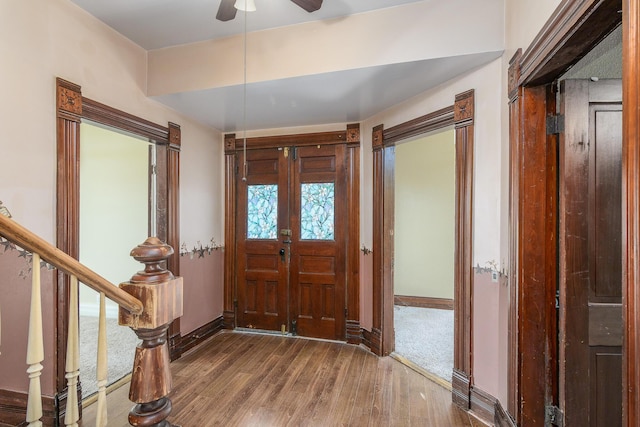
{"x": 282, "y": 254}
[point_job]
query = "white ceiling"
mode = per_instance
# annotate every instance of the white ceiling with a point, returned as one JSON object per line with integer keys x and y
{"x": 336, "y": 97}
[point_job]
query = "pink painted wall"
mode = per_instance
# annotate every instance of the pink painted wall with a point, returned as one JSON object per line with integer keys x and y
{"x": 15, "y": 298}
{"x": 366, "y": 291}
{"x": 490, "y": 333}
{"x": 203, "y": 279}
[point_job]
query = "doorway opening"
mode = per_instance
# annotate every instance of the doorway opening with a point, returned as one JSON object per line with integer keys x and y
{"x": 424, "y": 241}
{"x": 117, "y": 210}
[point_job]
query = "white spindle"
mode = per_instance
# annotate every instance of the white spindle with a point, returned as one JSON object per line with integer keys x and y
{"x": 101, "y": 366}
{"x": 73, "y": 357}
{"x": 35, "y": 348}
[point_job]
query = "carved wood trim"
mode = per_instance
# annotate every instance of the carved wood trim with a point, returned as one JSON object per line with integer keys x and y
{"x": 173, "y": 224}
{"x": 436, "y": 120}
{"x": 67, "y": 208}
{"x": 502, "y": 418}
{"x": 482, "y": 404}
{"x": 353, "y": 235}
{"x": 378, "y": 137}
{"x": 101, "y": 113}
{"x": 461, "y": 389}
{"x": 631, "y": 211}
{"x": 13, "y": 409}
{"x": 69, "y": 116}
{"x": 378, "y": 231}
{"x": 200, "y": 335}
{"x": 574, "y": 28}
{"x": 229, "y": 296}
{"x": 514, "y": 184}
{"x": 463, "y": 253}
{"x": 535, "y": 204}
{"x": 461, "y": 114}
{"x": 298, "y": 140}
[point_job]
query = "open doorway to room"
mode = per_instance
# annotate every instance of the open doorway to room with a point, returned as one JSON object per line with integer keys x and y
{"x": 424, "y": 244}
{"x": 116, "y": 209}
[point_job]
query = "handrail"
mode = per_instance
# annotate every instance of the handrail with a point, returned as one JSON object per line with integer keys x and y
{"x": 14, "y": 232}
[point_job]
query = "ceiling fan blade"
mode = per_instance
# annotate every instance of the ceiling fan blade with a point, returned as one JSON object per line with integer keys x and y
{"x": 226, "y": 11}
{"x": 309, "y": 5}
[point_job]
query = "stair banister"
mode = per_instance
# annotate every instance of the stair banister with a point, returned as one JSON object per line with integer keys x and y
{"x": 14, "y": 232}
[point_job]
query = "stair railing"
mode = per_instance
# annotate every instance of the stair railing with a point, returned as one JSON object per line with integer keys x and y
{"x": 148, "y": 303}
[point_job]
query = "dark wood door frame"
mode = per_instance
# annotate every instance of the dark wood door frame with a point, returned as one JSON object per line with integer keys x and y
{"x": 574, "y": 29}
{"x": 461, "y": 116}
{"x": 350, "y": 137}
{"x": 71, "y": 109}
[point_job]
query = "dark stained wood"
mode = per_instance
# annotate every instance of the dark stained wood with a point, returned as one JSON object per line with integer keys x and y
{"x": 353, "y": 332}
{"x": 482, "y": 404}
{"x": 173, "y": 223}
{"x": 297, "y": 140}
{"x": 13, "y": 409}
{"x": 589, "y": 253}
{"x": 69, "y": 114}
{"x": 461, "y": 389}
{"x": 106, "y": 115}
{"x": 348, "y": 168}
{"x": 425, "y": 302}
{"x": 502, "y": 418}
{"x": 513, "y": 371}
{"x": 161, "y": 294}
{"x": 378, "y": 233}
{"x": 530, "y": 158}
{"x": 248, "y": 379}
{"x": 231, "y": 169}
{"x": 71, "y": 108}
{"x": 461, "y": 114}
{"x": 464, "y": 107}
{"x": 631, "y": 210}
{"x": 201, "y": 334}
{"x": 575, "y": 27}
{"x": 429, "y": 122}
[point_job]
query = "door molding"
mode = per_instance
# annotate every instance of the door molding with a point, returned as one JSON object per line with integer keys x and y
{"x": 71, "y": 109}
{"x": 351, "y": 138}
{"x": 461, "y": 116}
{"x": 574, "y": 28}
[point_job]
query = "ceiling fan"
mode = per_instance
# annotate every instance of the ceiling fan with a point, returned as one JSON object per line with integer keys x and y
{"x": 227, "y": 11}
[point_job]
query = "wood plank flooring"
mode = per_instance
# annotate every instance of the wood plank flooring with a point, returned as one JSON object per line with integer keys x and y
{"x": 240, "y": 379}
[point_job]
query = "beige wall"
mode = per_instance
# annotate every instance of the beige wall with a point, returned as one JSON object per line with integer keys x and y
{"x": 425, "y": 216}
{"x": 114, "y": 195}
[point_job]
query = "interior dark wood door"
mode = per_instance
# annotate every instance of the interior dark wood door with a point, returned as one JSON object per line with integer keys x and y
{"x": 262, "y": 272}
{"x": 291, "y": 259}
{"x": 318, "y": 246}
{"x": 590, "y": 243}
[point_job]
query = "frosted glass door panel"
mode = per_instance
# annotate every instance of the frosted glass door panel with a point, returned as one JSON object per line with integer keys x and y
{"x": 262, "y": 212}
{"x": 317, "y": 208}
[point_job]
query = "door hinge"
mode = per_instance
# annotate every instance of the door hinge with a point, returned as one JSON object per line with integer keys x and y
{"x": 154, "y": 170}
{"x": 555, "y": 124}
{"x": 553, "y": 416}
{"x": 295, "y": 152}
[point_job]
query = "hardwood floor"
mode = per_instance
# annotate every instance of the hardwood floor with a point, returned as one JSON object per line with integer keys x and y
{"x": 239, "y": 379}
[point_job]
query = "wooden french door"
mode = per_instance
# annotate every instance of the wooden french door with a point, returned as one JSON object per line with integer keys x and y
{"x": 291, "y": 239}
{"x": 590, "y": 253}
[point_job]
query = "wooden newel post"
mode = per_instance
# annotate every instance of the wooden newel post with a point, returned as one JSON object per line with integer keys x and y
{"x": 161, "y": 295}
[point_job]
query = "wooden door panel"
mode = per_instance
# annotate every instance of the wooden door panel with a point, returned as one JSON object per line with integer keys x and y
{"x": 590, "y": 243}
{"x": 262, "y": 272}
{"x": 318, "y": 264}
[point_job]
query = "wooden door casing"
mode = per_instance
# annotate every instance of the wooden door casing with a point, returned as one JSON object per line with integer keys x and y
{"x": 590, "y": 253}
